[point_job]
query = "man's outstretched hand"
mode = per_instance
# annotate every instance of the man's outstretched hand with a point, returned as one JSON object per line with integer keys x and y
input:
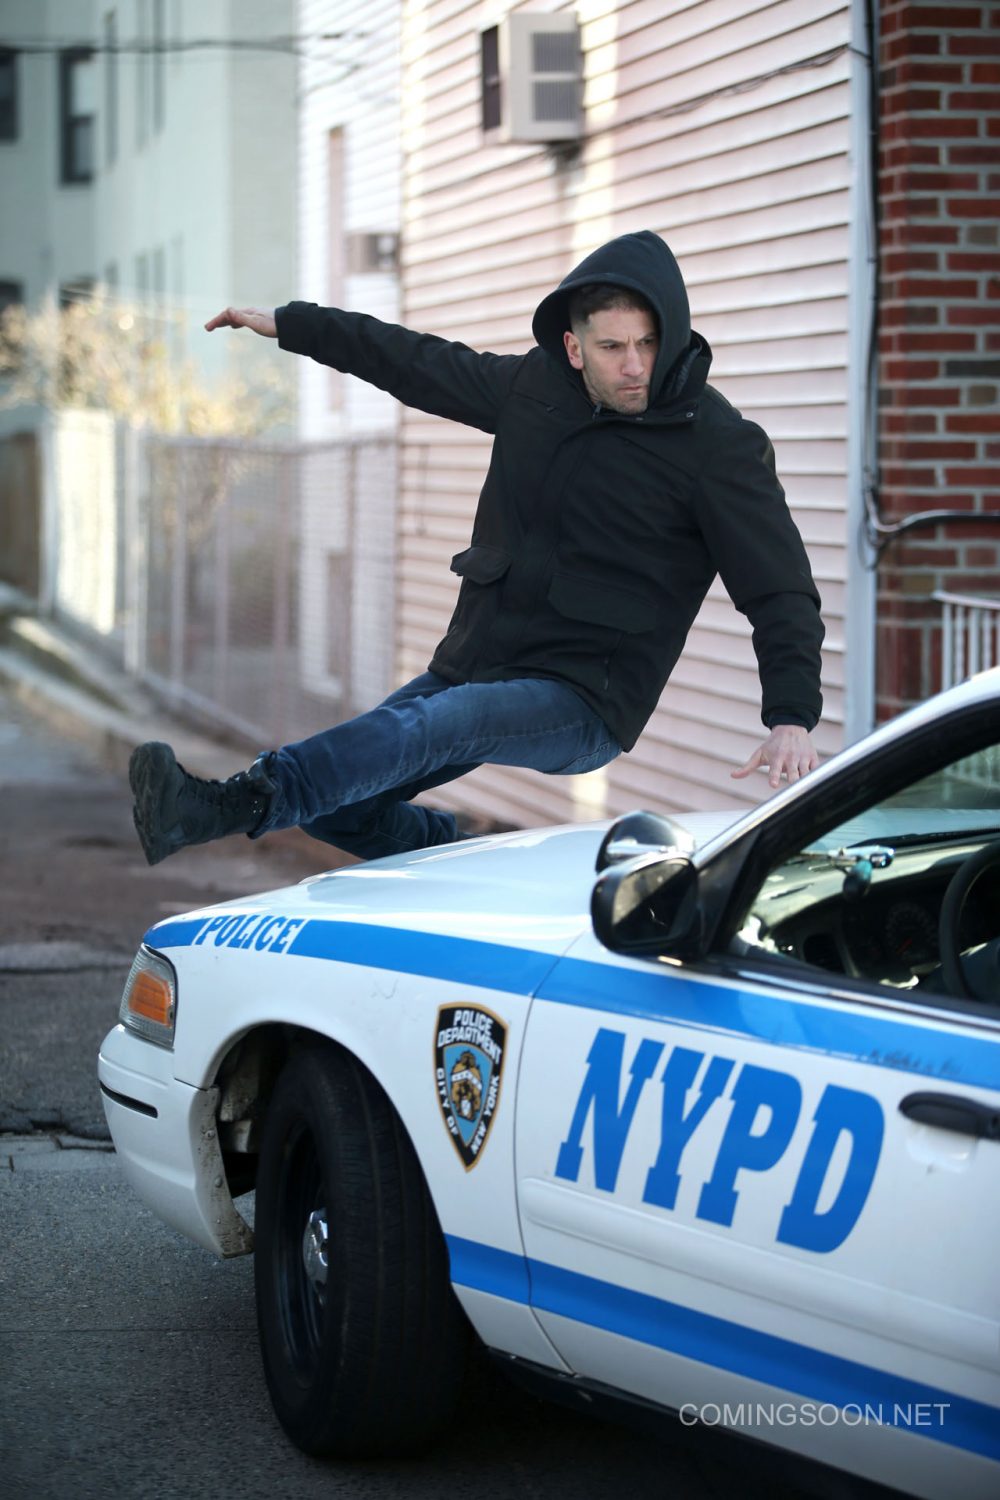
{"x": 260, "y": 319}
{"x": 787, "y": 751}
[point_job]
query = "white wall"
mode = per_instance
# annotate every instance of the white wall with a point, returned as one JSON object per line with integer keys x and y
{"x": 350, "y": 182}
{"x": 46, "y": 227}
{"x": 195, "y": 210}
{"x": 82, "y": 519}
{"x": 350, "y": 87}
{"x": 199, "y": 210}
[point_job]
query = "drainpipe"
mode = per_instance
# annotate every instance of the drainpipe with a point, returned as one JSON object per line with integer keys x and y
{"x": 862, "y": 414}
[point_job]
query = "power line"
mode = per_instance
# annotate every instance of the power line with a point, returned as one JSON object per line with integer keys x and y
{"x": 291, "y": 45}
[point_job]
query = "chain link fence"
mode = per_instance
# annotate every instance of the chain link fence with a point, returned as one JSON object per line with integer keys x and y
{"x": 266, "y": 597}
{"x": 251, "y": 585}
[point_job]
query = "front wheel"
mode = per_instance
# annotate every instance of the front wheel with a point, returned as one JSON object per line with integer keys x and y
{"x": 362, "y": 1339}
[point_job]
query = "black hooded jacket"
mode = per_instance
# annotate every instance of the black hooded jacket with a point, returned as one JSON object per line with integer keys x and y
{"x": 598, "y": 534}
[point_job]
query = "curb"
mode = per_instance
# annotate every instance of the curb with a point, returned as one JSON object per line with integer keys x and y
{"x": 112, "y": 733}
{"x": 85, "y": 700}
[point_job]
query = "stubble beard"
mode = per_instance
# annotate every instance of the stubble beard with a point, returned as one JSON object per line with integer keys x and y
{"x": 631, "y": 404}
{"x": 627, "y": 403}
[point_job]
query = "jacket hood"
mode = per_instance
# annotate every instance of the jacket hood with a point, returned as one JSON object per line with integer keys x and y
{"x": 643, "y": 263}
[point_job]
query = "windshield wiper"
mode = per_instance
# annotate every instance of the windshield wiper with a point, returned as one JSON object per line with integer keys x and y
{"x": 945, "y": 836}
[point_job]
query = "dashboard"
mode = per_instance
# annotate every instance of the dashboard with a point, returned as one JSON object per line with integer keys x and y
{"x": 889, "y": 933}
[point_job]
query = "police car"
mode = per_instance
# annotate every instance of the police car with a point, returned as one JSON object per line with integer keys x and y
{"x": 693, "y": 1119}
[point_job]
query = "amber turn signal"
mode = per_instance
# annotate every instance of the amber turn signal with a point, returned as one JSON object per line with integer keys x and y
{"x": 150, "y": 997}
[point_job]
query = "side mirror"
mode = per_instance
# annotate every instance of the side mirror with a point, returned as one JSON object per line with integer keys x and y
{"x": 648, "y": 905}
{"x": 642, "y": 833}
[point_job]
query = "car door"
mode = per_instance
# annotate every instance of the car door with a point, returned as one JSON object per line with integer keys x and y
{"x": 767, "y": 1195}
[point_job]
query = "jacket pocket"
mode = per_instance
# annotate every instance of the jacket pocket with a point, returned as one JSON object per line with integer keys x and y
{"x": 601, "y": 604}
{"x": 481, "y": 564}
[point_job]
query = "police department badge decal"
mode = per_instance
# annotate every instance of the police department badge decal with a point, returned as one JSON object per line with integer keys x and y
{"x": 468, "y": 1065}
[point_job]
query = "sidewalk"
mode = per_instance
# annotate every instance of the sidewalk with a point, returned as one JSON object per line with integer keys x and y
{"x": 81, "y": 697}
{"x": 84, "y": 698}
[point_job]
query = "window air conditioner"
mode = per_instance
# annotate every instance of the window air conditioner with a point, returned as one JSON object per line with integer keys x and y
{"x": 532, "y": 78}
{"x": 367, "y": 252}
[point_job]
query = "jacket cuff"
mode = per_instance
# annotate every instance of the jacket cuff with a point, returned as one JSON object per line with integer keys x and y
{"x": 294, "y": 323}
{"x": 790, "y": 716}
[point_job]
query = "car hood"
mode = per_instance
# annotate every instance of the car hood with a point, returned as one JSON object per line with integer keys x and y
{"x": 531, "y": 888}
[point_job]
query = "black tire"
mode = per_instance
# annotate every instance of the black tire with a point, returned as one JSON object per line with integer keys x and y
{"x": 370, "y": 1363}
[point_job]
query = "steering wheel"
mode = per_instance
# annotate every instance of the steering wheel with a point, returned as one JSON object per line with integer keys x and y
{"x": 950, "y": 920}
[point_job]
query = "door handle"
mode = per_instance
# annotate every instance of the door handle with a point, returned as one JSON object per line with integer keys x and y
{"x": 952, "y": 1112}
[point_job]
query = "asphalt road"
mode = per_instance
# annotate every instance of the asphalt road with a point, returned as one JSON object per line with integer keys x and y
{"x": 128, "y": 1357}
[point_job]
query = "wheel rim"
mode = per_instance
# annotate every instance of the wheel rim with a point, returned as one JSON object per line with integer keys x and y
{"x": 301, "y": 1263}
{"x": 315, "y": 1245}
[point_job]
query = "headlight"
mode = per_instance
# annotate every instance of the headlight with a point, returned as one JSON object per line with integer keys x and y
{"x": 149, "y": 1003}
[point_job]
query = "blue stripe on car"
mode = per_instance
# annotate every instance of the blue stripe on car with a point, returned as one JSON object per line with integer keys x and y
{"x": 857, "y": 1035}
{"x": 658, "y": 993}
{"x": 811, "y": 1374}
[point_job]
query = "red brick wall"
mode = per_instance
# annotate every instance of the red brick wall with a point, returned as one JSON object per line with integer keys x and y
{"x": 939, "y": 324}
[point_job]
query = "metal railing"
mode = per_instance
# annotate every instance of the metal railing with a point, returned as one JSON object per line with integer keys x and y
{"x": 970, "y": 635}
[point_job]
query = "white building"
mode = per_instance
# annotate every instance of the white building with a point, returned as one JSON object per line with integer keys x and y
{"x": 194, "y": 153}
{"x": 47, "y": 100}
{"x": 350, "y": 190}
{"x": 350, "y": 187}
{"x": 149, "y": 147}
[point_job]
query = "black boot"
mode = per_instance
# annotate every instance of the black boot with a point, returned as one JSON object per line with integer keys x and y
{"x": 173, "y": 809}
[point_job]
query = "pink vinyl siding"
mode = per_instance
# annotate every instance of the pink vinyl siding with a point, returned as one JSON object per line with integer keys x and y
{"x": 750, "y": 187}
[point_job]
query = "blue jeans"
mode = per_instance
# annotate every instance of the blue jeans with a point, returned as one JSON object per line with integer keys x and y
{"x": 352, "y": 785}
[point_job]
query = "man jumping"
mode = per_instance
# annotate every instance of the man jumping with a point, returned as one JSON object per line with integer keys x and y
{"x": 620, "y": 484}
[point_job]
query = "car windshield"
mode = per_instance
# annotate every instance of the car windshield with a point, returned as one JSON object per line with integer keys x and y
{"x": 963, "y": 798}
{"x": 867, "y": 900}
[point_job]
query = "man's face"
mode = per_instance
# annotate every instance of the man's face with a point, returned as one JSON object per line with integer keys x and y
{"x": 616, "y": 352}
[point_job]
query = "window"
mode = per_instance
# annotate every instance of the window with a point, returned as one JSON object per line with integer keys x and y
{"x": 159, "y": 64}
{"x": 80, "y": 289}
{"x": 177, "y": 329}
{"x": 867, "y": 900}
{"x": 159, "y": 287}
{"x": 11, "y": 294}
{"x": 177, "y": 31}
{"x": 491, "y": 77}
{"x": 177, "y": 269}
{"x": 8, "y": 94}
{"x": 76, "y": 114}
{"x": 142, "y": 63}
{"x": 110, "y": 87}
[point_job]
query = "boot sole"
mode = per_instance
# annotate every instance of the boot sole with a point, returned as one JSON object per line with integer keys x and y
{"x": 150, "y": 775}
